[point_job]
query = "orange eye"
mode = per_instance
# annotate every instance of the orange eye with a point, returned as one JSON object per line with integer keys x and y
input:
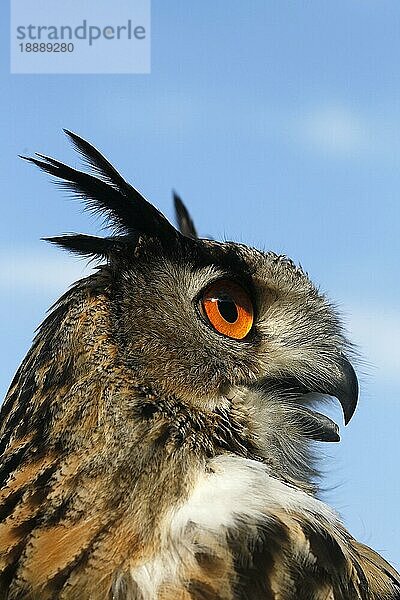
{"x": 228, "y": 308}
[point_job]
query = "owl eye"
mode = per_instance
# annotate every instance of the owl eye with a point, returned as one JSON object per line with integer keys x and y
{"x": 228, "y": 308}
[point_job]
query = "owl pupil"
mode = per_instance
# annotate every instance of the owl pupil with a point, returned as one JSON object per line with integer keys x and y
{"x": 228, "y": 310}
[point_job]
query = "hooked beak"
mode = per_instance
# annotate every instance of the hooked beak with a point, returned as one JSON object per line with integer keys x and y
{"x": 340, "y": 381}
{"x": 342, "y": 384}
{"x": 347, "y": 390}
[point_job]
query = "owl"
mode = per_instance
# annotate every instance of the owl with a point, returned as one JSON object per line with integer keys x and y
{"x": 160, "y": 439}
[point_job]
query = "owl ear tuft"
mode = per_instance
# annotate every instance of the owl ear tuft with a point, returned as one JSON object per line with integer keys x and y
{"x": 183, "y": 218}
{"x": 105, "y": 192}
{"x": 89, "y": 245}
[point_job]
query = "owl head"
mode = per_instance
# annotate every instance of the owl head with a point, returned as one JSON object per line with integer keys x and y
{"x": 210, "y": 322}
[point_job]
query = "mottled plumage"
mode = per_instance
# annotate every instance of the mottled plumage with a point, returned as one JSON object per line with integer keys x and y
{"x": 146, "y": 455}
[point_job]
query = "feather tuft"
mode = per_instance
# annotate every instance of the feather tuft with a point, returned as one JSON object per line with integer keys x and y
{"x": 86, "y": 245}
{"x": 106, "y": 193}
{"x": 183, "y": 218}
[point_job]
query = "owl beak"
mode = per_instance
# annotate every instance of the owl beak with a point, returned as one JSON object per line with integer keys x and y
{"x": 343, "y": 385}
{"x": 318, "y": 426}
{"x": 345, "y": 388}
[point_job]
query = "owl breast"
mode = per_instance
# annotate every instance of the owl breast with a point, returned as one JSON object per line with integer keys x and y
{"x": 232, "y": 500}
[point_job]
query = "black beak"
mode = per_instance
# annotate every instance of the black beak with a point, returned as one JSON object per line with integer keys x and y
{"x": 348, "y": 390}
{"x": 318, "y": 427}
{"x": 338, "y": 380}
{"x": 342, "y": 384}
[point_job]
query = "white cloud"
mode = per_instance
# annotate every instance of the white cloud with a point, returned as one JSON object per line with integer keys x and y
{"x": 335, "y": 130}
{"x": 344, "y": 132}
{"x": 39, "y": 272}
{"x": 330, "y": 126}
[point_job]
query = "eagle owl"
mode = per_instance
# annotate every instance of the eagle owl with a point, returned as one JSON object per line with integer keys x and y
{"x": 158, "y": 441}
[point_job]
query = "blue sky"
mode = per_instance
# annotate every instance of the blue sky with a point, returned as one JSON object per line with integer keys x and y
{"x": 279, "y": 124}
